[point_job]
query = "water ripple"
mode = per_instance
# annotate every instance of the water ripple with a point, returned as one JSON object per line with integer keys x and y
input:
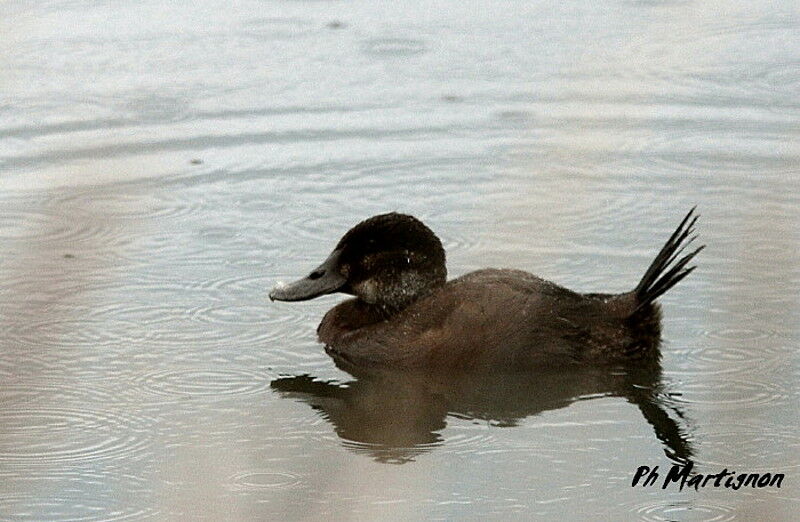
{"x": 768, "y": 447}
{"x": 238, "y": 283}
{"x": 393, "y": 47}
{"x": 81, "y": 508}
{"x": 252, "y": 315}
{"x": 731, "y": 393}
{"x": 667, "y": 511}
{"x": 202, "y": 382}
{"x": 72, "y": 332}
{"x": 725, "y": 359}
{"x": 736, "y": 349}
{"x": 31, "y": 389}
{"x": 129, "y": 205}
{"x": 74, "y": 492}
{"x": 740, "y": 334}
{"x": 471, "y": 441}
{"x": 14, "y": 394}
{"x": 41, "y": 227}
{"x": 189, "y": 144}
{"x": 38, "y": 436}
{"x": 263, "y": 480}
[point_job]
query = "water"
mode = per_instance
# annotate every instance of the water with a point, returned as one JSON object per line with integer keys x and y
{"x": 162, "y": 166}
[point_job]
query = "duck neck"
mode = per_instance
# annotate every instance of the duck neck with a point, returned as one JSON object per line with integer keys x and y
{"x": 391, "y": 301}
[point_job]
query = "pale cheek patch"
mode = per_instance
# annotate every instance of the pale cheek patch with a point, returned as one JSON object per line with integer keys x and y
{"x": 367, "y": 290}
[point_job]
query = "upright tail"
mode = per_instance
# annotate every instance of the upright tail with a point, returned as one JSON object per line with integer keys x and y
{"x": 660, "y": 276}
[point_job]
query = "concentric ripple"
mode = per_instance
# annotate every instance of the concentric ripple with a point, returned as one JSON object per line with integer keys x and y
{"x": 769, "y": 448}
{"x": 134, "y": 205}
{"x": 43, "y": 226}
{"x": 727, "y": 358}
{"x": 256, "y": 283}
{"x": 232, "y": 314}
{"x": 71, "y": 332}
{"x": 731, "y": 393}
{"x": 38, "y": 436}
{"x": 263, "y": 480}
{"x": 149, "y": 203}
{"x": 666, "y": 511}
{"x": 740, "y": 334}
{"x": 219, "y": 383}
{"x": 34, "y": 388}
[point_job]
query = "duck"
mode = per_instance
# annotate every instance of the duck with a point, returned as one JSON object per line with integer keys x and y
{"x": 406, "y": 315}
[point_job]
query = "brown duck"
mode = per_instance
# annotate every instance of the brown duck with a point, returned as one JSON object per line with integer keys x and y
{"x": 406, "y": 314}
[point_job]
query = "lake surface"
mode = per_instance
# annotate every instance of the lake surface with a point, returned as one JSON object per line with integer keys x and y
{"x": 162, "y": 166}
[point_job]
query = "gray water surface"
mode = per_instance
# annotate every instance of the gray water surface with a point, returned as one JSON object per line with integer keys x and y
{"x": 162, "y": 165}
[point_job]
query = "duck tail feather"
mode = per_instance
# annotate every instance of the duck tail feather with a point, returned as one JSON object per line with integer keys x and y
{"x": 665, "y": 272}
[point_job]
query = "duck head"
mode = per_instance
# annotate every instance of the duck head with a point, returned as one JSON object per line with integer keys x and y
{"x": 388, "y": 261}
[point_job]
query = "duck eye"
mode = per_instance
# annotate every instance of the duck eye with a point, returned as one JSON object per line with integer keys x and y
{"x": 316, "y": 274}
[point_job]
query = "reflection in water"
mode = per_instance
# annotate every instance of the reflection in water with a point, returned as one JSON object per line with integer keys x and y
{"x": 394, "y": 416}
{"x": 136, "y": 340}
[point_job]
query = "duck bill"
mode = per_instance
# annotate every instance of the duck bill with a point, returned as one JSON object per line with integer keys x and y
{"x": 325, "y": 279}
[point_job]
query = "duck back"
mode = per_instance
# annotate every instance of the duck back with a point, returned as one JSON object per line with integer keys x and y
{"x": 492, "y": 318}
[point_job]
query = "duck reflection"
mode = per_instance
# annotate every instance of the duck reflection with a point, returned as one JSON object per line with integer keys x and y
{"x": 395, "y": 416}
